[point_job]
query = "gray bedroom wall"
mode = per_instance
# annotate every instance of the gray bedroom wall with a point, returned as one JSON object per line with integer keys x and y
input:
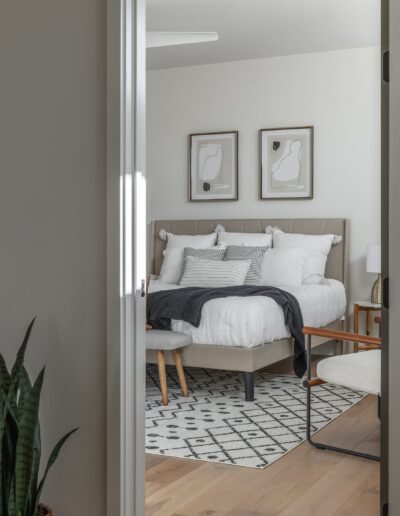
{"x": 338, "y": 92}
{"x": 52, "y": 227}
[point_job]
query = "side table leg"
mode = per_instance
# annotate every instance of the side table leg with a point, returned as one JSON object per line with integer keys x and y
{"x": 368, "y": 327}
{"x": 356, "y": 325}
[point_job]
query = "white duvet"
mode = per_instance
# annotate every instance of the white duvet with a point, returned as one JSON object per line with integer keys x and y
{"x": 252, "y": 321}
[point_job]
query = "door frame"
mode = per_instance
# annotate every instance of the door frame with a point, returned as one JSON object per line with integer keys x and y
{"x": 391, "y": 258}
{"x": 126, "y": 72}
{"x": 384, "y": 484}
{"x": 126, "y": 251}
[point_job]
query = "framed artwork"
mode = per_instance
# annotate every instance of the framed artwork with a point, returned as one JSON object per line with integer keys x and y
{"x": 213, "y": 171}
{"x": 286, "y": 163}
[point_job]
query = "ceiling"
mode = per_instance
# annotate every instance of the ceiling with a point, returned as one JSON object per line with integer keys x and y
{"x": 250, "y": 29}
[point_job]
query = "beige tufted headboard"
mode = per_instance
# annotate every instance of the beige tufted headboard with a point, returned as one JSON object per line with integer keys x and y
{"x": 337, "y": 261}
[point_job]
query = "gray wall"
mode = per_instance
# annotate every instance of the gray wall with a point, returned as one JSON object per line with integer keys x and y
{"x": 52, "y": 226}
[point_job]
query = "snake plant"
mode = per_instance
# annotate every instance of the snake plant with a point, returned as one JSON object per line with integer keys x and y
{"x": 20, "y": 488}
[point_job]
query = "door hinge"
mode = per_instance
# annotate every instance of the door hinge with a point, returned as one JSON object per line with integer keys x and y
{"x": 385, "y": 292}
{"x": 385, "y": 66}
{"x": 143, "y": 288}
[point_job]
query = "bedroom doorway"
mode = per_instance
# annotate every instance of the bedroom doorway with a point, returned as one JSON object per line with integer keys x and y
{"x": 132, "y": 436}
{"x": 197, "y": 114}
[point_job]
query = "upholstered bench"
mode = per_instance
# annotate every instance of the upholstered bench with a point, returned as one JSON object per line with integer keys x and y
{"x": 161, "y": 341}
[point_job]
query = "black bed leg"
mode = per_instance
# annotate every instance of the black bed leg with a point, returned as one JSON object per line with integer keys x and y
{"x": 249, "y": 386}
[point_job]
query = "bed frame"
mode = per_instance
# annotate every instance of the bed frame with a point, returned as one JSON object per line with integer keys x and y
{"x": 249, "y": 360}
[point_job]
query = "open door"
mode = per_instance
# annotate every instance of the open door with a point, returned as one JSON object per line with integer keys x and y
{"x": 126, "y": 256}
{"x": 391, "y": 256}
{"x": 385, "y": 252}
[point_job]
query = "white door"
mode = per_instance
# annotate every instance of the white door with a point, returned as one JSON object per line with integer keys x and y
{"x": 126, "y": 252}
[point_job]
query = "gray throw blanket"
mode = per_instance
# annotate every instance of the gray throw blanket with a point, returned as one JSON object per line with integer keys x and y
{"x": 186, "y": 304}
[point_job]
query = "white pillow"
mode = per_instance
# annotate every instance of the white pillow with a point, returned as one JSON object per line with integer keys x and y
{"x": 194, "y": 241}
{"x": 172, "y": 265}
{"x": 213, "y": 273}
{"x": 284, "y": 267}
{"x": 171, "y": 268}
{"x": 319, "y": 247}
{"x": 155, "y": 285}
{"x": 245, "y": 239}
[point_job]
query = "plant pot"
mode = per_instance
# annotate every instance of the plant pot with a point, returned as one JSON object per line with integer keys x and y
{"x": 43, "y": 510}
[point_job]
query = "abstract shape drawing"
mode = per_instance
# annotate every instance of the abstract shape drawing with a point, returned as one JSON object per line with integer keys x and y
{"x": 288, "y": 166}
{"x": 210, "y": 161}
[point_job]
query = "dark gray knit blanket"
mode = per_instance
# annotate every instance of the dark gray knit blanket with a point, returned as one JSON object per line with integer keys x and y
{"x": 186, "y": 304}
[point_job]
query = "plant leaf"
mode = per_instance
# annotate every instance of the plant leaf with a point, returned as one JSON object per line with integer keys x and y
{"x": 32, "y": 505}
{"x": 12, "y": 392}
{"x": 25, "y": 445}
{"x": 5, "y": 378}
{"x": 9, "y": 406}
{"x": 53, "y": 457}
{"x": 7, "y": 413}
{"x": 25, "y": 388}
{"x": 8, "y": 450}
{"x": 21, "y": 352}
{"x": 11, "y": 500}
{"x": 15, "y": 374}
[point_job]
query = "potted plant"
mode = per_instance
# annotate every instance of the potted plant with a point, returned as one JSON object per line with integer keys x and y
{"x": 20, "y": 487}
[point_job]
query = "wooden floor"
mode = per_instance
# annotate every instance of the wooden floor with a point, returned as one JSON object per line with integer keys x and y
{"x": 305, "y": 482}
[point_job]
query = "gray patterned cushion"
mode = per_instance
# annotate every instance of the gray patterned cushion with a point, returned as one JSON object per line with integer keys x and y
{"x": 213, "y": 273}
{"x": 204, "y": 254}
{"x": 255, "y": 254}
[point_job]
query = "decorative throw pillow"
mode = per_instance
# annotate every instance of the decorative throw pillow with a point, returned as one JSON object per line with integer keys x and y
{"x": 284, "y": 267}
{"x": 255, "y": 254}
{"x": 213, "y": 253}
{"x": 244, "y": 239}
{"x": 213, "y": 273}
{"x": 195, "y": 241}
{"x": 171, "y": 268}
{"x": 318, "y": 245}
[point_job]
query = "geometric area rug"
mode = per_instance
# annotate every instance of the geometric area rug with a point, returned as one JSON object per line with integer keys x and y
{"x": 215, "y": 423}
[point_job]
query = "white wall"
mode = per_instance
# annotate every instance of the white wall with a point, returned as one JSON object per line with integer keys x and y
{"x": 336, "y": 92}
{"x": 52, "y": 228}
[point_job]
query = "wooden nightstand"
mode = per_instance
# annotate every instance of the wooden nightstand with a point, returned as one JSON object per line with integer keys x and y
{"x": 368, "y": 308}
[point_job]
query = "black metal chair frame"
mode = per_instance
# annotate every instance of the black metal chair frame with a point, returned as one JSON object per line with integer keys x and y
{"x": 323, "y": 446}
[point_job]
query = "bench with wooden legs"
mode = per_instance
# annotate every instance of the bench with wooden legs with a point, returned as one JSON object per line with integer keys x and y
{"x": 161, "y": 341}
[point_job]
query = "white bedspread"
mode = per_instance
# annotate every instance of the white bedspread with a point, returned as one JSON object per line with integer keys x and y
{"x": 252, "y": 321}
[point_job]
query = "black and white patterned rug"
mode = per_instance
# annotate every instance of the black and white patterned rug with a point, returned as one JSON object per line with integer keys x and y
{"x": 216, "y": 424}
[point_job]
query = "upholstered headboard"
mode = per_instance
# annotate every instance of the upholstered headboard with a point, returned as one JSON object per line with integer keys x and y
{"x": 337, "y": 261}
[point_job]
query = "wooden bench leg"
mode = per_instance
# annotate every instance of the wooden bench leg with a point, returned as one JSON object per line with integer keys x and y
{"x": 181, "y": 372}
{"x": 163, "y": 376}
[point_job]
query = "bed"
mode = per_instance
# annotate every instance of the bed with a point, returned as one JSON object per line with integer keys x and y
{"x": 247, "y": 338}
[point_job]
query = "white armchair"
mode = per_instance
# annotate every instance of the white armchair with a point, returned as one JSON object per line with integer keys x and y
{"x": 359, "y": 371}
